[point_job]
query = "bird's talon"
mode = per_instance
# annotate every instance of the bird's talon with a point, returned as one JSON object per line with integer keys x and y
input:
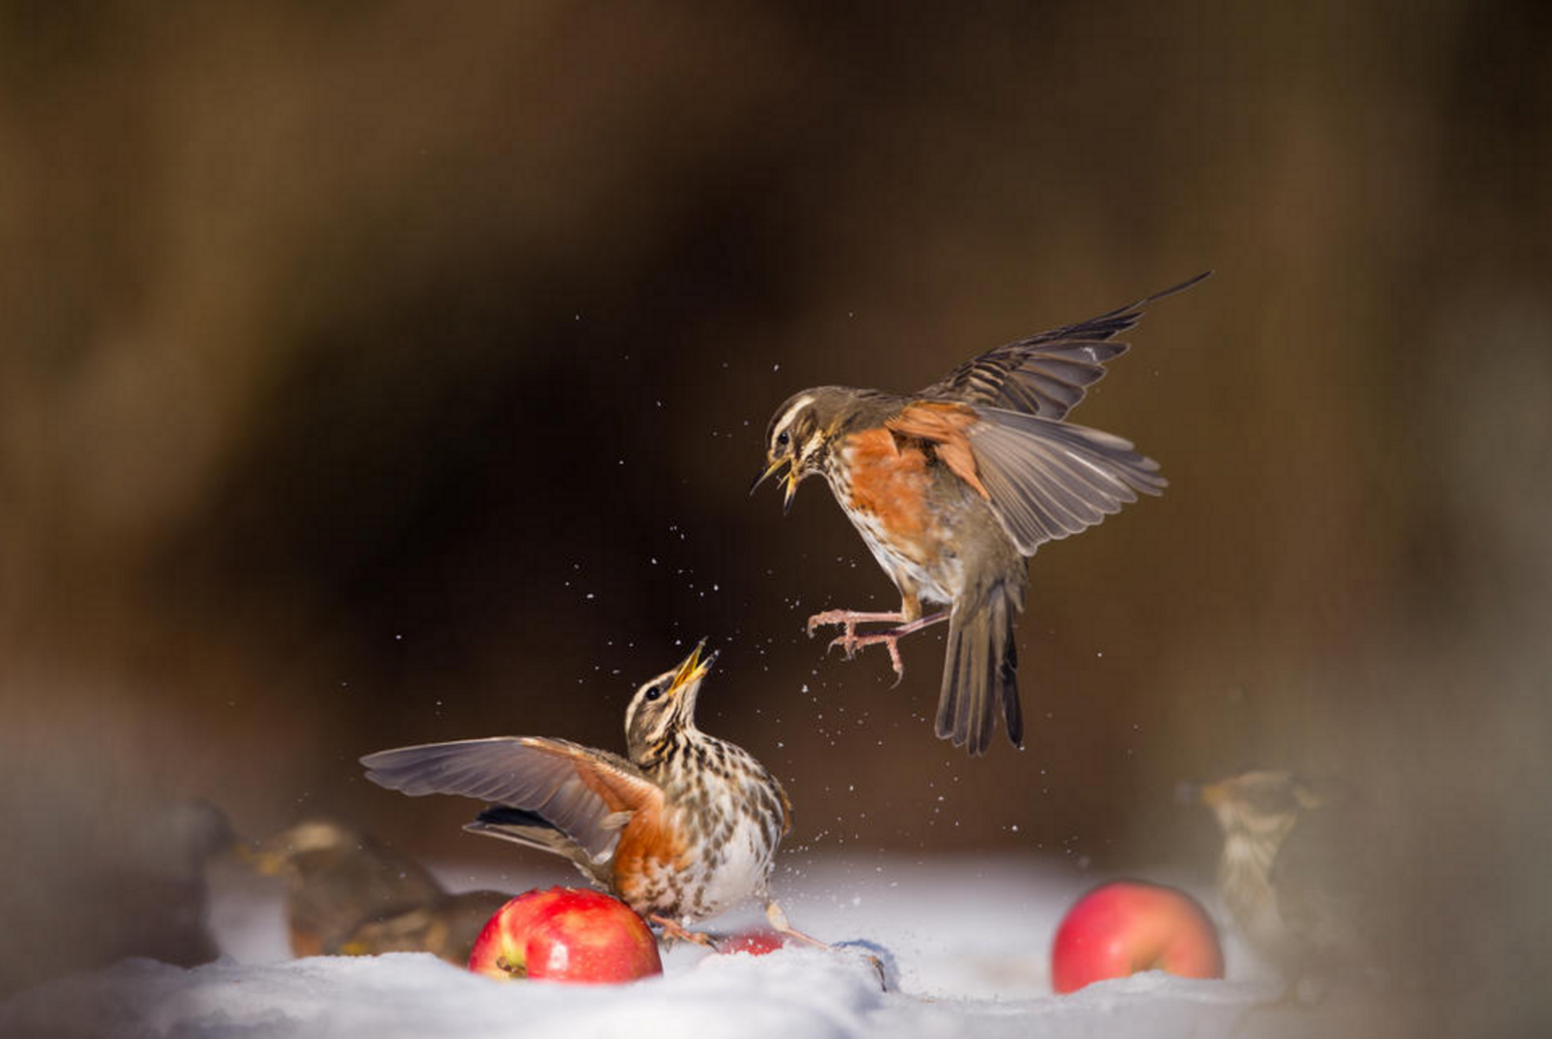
{"x": 848, "y": 643}
{"x": 674, "y": 932}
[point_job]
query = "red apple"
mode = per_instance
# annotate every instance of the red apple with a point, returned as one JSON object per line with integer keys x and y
{"x": 756, "y": 942}
{"x": 566, "y": 934}
{"x": 1128, "y": 926}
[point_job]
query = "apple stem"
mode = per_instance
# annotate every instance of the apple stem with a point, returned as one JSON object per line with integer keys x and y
{"x": 517, "y": 970}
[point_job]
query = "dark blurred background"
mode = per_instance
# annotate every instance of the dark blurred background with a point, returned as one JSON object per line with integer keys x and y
{"x": 386, "y": 373}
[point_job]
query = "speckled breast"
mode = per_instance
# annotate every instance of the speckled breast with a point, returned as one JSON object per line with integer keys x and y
{"x": 717, "y": 838}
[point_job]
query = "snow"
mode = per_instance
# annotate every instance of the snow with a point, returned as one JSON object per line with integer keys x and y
{"x": 969, "y": 938}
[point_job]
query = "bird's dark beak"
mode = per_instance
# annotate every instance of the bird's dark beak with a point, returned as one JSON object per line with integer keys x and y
{"x": 767, "y": 473}
{"x": 791, "y": 480}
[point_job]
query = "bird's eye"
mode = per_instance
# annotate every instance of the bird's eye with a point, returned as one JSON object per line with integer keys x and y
{"x": 781, "y": 439}
{"x": 655, "y": 692}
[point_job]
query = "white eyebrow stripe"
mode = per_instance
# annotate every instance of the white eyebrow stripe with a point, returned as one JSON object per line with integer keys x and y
{"x": 792, "y": 412}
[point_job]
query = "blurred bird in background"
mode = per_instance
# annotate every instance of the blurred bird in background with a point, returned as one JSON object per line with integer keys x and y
{"x": 1295, "y": 875}
{"x": 138, "y": 888}
{"x": 446, "y": 928}
{"x": 954, "y": 486}
{"x": 347, "y": 894}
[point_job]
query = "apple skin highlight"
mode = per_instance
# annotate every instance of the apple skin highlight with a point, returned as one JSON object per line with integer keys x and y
{"x": 566, "y": 934}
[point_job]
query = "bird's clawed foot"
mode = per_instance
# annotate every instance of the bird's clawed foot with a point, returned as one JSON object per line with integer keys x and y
{"x": 778, "y": 920}
{"x": 850, "y": 641}
{"x": 673, "y": 932}
{"x": 850, "y": 618}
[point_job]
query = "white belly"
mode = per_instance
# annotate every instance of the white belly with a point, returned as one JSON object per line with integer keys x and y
{"x": 741, "y": 873}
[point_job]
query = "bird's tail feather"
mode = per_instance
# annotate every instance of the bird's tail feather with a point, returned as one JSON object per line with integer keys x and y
{"x": 980, "y": 675}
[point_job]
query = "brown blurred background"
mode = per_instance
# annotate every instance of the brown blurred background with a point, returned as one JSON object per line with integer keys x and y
{"x": 385, "y": 373}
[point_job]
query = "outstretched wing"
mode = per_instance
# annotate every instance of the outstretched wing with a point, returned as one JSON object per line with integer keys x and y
{"x": 1046, "y": 374}
{"x": 586, "y": 794}
{"x": 1048, "y": 479}
{"x": 1044, "y": 479}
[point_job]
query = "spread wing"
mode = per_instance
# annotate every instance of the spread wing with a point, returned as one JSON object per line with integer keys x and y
{"x": 1045, "y": 479}
{"x": 1046, "y": 374}
{"x": 1049, "y": 479}
{"x": 586, "y": 794}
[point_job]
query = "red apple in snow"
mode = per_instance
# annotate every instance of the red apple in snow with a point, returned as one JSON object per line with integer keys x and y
{"x": 1128, "y": 926}
{"x": 756, "y": 942}
{"x": 566, "y": 934}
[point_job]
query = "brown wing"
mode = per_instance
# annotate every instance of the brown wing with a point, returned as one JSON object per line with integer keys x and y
{"x": 588, "y": 795}
{"x": 945, "y": 426}
{"x": 1045, "y": 479}
{"x": 1050, "y": 479}
{"x": 1046, "y": 374}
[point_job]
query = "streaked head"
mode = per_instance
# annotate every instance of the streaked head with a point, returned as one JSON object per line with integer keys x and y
{"x": 1261, "y": 805}
{"x": 796, "y": 438}
{"x": 665, "y": 705}
{"x": 295, "y": 843}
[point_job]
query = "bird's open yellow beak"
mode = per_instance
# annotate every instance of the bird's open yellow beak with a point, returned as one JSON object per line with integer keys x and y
{"x": 768, "y": 472}
{"x": 791, "y": 479}
{"x": 264, "y": 863}
{"x": 1213, "y": 795}
{"x": 693, "y": 669}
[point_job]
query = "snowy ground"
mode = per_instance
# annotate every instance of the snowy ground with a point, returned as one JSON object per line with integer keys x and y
{"x": 970, "y": 940}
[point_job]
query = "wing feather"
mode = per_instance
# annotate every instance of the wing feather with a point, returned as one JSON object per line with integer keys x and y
{"x": 1047, "y": 479}
{"x": 1044, "y": 478}
{"x": 1049, "y": 373}
{"x": 586, "y": 794}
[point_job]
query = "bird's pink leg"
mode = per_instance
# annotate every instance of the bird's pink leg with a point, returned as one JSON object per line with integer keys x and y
{"x": 850, "y": 641}
{"x": 778, "y": 920}
{"x": 674, "y": 932}
{"x": 851, "y": 618}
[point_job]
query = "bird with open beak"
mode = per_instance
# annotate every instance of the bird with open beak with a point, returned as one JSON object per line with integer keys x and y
{"x": 683, "y": 827}
{"x": 954, "y": 486}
